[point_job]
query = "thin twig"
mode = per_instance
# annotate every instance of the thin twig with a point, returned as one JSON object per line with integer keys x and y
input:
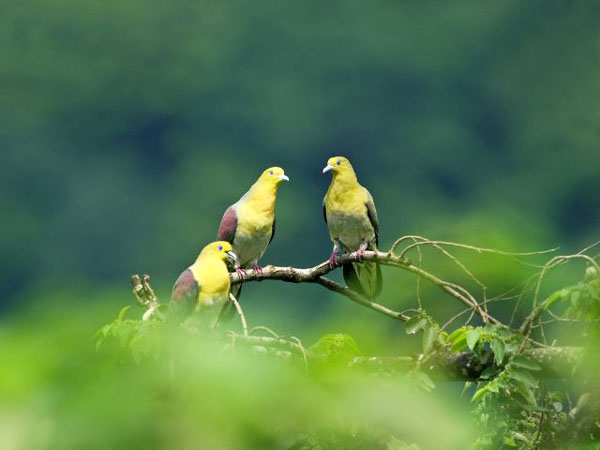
{"x": 240, "y": 312}
{"x": 360, "y": 299}
{"x": 525, "y": 327}
{"x": 418, "y": 287}
{"x": 268, "y": 340}
{"x": 474, "y": 248}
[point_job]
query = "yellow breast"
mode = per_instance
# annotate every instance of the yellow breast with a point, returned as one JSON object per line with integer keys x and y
{"x": 346, "y": 198}
{"x": 253, "y": 217}
{"x": 213, "y": 279}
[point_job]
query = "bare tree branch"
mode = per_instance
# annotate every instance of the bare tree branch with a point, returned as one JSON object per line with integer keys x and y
{"x": 316, "y": 275}
{"x": 144, "y": 295}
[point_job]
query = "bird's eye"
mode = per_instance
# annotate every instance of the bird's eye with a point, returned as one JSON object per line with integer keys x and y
{"x": 339, "y": 162}
{"x": 271, "y": 172}
{"x": 220, "y": 247}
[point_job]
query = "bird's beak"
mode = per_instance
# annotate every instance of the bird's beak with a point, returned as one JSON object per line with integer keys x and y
{"x": 327, "y": 168}
{"x": 283, "y": 177}
{"x": 232, "y": 256}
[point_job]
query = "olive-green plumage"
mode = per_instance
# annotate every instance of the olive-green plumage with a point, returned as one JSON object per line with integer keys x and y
{"x": 351, "y": 217}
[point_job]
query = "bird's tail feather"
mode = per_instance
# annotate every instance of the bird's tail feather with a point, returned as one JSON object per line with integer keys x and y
{"x": 364, "y": 278}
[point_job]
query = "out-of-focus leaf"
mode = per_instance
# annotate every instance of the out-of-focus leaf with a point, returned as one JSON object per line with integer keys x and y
{"x": 415, "y": 324}
{"x": 395, "y": 444}
{"x": 460, "y": 343}
{"x": 335, "y": 347}
{"x": 521, "y": 437}
{"x": 497, "y": 347}
{"x": 455, "y": 334}
{"x": 429, "y": 336}
{"x": 487, "y": 373}
{"x": 473, "y": 337}
{"x": 123, "y": 312}
{"x": 527, "y": 393}
{"x": 493, "y": 387}
{"x": 479, "y": 394}
{"x": 523, "y": 376}
{"x": 422, "y": 380}
{"x": 525, "y": 363}
{"x": 468, "y": 384}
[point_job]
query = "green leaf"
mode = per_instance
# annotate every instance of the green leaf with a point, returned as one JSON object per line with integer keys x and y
{"x": 523, "y": 376}
{"x": 479, "y": 393}
{"x": 335, "y": 347}
{"x": 123, "y": 312}
{"x": 468, "y": 384}
{"x": 415, "y": 324}
{"x": 395, "y": 444}
{"x": 521, "y": 437}
{"x": 525, "y": 363}
{"x": 459, "y": 343}
{"x": 473, "y": 337}
{"x": 103, "y": 332}
{"x": 441, "y": 339}
{"x": 422, "y": 380}
{"x": 455, "y": 334}
{"x": 490, "y": 328}
{"x": 493, "y": 387}
{"x": 503, "y": 332}
{"x": 526, "y": 393}
{"x": 488, "y": 373}
{"x": 497, "y": 347}
{"x": 429, "y": 336}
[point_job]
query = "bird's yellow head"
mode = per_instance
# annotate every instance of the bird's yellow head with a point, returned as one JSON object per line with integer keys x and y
{"x": 221, "y": 250}
{"x": 274, "y": 175}
{"x": 338, "y": 165}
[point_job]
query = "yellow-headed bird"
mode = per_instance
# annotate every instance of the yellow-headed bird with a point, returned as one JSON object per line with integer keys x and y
{"x": 351, "y": 217}
{"x": 204, "y": 286}
{"x": 249, "y": 224}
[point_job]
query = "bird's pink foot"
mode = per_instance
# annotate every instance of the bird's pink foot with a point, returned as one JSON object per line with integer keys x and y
{"x": 333, "y": 260}
{"x": 360, "y": 253}
{"x": 259, "y": 272}
{"x": 241, "y": 273}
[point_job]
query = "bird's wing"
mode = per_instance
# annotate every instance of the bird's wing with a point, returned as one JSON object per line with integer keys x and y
{"x": 228, "y": 225}
{"x": 325, "y": 209}
{"x": 185, "y": 293}
{"x": 273, "y": 229}
{"x": 372, "y": 213}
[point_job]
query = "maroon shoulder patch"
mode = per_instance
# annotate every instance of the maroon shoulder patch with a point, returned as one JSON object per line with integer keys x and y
{"x": 228, "y": 226}
{"x": 185, "y": 288}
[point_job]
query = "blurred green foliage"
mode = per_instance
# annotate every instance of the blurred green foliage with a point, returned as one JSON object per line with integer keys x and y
{"x": 57, "y": 392}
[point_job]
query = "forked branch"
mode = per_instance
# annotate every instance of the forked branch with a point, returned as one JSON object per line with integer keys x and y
{"x": 317, "y": 274}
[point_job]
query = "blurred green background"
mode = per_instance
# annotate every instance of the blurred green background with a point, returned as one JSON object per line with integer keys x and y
{"x": 128, "y": 127}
